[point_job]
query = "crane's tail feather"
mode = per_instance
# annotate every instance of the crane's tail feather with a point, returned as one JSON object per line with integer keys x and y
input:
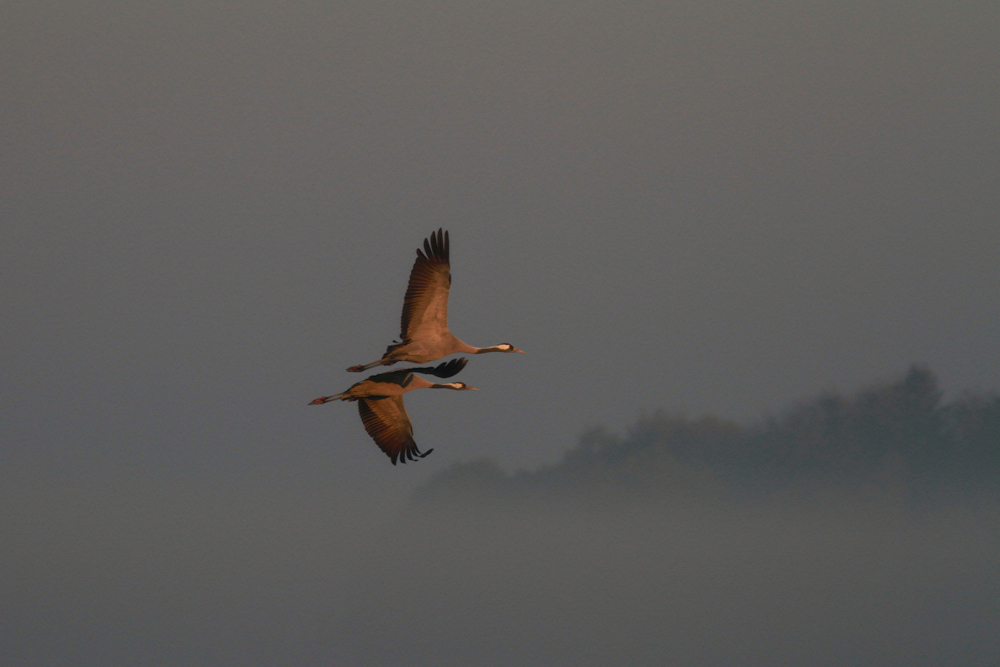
{"x": 395, "y": 346}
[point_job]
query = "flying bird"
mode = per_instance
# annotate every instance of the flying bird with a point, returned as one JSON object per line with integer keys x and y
{"x": 380, "y": 402}
{"x": 424, "y": 334}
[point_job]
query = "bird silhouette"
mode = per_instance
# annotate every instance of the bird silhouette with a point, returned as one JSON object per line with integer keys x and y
{"x": 380, "y": 403}
{"x": 424, "y": 334}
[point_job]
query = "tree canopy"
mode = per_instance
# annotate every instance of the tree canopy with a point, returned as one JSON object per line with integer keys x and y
{"x": 897, "y": 434}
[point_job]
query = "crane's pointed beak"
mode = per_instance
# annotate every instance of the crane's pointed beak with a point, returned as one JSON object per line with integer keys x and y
{"x": 318, "y": 401}
{"x": 472, "y": 388}
{"x": 517, "y": 350}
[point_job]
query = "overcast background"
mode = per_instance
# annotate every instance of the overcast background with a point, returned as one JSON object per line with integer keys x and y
{"x": 210, "y": 210}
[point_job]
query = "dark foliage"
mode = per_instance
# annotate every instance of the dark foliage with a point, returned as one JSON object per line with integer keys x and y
{"x": 896, "y": 435}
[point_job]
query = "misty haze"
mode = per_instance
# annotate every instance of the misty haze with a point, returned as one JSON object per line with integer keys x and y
{"x": 832, "y": 534}
{"x": 749, "y": 249}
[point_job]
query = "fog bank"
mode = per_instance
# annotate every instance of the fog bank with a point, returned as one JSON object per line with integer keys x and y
{"x": 261, "y": 573}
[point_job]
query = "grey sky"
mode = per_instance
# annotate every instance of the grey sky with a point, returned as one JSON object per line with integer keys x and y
{"x": 708, "y": 207}
{"x": 211, "y": 209}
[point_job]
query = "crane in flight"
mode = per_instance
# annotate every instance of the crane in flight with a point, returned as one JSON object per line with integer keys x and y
{"x": 424, "y": 334}
{"x": 380, "y": 402}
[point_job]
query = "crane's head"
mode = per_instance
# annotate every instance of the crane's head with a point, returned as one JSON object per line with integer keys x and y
{"x": 507, "y": 347}
{"x": 460, "y": 386}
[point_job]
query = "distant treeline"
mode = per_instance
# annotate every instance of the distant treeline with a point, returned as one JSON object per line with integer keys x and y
{"x": 899, "y": 436}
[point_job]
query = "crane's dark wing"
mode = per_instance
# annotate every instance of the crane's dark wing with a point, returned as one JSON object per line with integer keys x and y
{"x": 387, "y": 423}
{"x": 445, "y": 370}
{"x": 425, "y": 306}
{"x": 402, "y": 377}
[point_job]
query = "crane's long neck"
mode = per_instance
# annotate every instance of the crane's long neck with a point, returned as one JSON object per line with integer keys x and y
{"x": 484, "y": 350}
{"x": 462, "y": 346}
{"x": 465, "y": 348}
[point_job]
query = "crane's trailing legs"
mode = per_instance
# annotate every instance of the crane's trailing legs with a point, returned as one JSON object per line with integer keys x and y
{"x": 325, "y": 399}
{"x": 380, "y": 362}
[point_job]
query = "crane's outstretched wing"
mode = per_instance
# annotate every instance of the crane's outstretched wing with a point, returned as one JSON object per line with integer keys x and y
{"x": 404, "y": 376}
{"x": 387, "y": 423}
{"x": 445, "y": 370}
{"x": 425, "y": 306}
